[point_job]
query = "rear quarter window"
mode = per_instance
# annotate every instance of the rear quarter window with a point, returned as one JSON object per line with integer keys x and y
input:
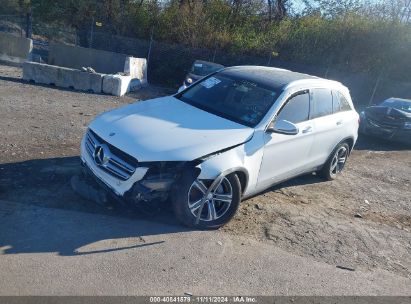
{"x": 340, "y": 103}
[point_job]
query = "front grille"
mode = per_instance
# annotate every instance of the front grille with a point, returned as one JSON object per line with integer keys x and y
{"x": 109, "y": 158}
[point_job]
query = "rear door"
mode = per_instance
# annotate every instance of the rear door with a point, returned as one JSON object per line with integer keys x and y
{"x": 327, "y": 125}
{"x": 345, "y": 115}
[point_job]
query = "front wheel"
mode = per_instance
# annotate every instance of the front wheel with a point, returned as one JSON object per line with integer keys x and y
{"x": 336, "y": 162}
{"x": 196, "y": 205}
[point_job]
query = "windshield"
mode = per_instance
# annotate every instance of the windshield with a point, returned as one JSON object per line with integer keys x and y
{"x": 203, "y": 69}
{"x": 236, "y": 99}
{"x": 402, "y": 105}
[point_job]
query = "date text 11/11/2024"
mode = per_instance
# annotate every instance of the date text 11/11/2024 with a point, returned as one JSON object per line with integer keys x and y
{"x": 203, "y": 299}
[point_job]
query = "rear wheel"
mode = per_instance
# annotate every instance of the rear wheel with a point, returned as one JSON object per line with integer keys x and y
{"x": 336, "y": 162}
{"x": 205, "y": 204}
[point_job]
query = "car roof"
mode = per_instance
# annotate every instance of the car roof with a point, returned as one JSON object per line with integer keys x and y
{"x": 276, "y": 78}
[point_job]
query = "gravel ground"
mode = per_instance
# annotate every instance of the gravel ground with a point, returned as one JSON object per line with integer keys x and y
{"x": 362, "y": 220}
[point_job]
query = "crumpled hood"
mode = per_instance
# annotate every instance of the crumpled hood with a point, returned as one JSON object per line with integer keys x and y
{"x": 383, "y": 112}
{"x": 167, "y": 129}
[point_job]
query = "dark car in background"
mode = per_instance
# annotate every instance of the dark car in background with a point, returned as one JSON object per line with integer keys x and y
{"x": 198, "y": 70}
{"x": 389, "y": 120}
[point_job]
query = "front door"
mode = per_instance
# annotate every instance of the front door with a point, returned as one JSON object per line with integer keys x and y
{"x": 287, "y": 155}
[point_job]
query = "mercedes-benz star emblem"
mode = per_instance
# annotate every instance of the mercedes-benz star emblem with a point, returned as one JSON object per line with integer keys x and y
{"x": 101, "y": 155}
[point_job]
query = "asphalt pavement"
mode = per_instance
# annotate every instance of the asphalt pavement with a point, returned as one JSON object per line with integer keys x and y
{"x": 45, "y": 251}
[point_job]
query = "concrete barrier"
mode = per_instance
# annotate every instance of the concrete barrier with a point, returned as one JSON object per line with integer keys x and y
{"x": 101, "y": 61}
{"x": 137, "y": 69}
{"x": 126, "y": 73}
{"x": 62, "y": 77}
{"x": 119, "y": 85}
{"x": 116, "y": 84}
{"x": 15, "y": 49}
{"x": 40, "y": 73}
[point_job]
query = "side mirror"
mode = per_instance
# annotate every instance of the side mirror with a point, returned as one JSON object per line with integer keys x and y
{"x": 283, "y": 127}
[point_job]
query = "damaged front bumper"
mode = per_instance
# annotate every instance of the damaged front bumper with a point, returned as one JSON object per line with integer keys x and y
{"x": 156, "y": 185}
{"x": 396, "y": 134}
{"x": 150, "y": 180}
{"x": 116, "y": 185}
{"x": 153, "y": 187}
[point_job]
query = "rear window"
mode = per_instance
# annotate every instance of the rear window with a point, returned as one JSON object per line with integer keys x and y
{"x": 322, "y": 102}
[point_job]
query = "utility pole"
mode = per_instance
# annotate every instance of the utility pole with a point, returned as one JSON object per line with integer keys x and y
{"x": 91, "y": 32}
{"x": 377, "y": 82}
{"x": 149, "y": 48}
{"x": 29, "y": 23}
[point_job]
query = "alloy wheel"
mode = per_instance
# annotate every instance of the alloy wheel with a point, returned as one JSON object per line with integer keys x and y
{"x": 216, "y": 203}
{"x": 338, "y": 161}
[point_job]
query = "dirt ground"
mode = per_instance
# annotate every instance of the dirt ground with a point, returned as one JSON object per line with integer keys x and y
{"x": 362, "y": 220}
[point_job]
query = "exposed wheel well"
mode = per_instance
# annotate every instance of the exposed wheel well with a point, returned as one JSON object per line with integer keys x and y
{"x": 350, "y": 142}
{"x": 243, "y": 180}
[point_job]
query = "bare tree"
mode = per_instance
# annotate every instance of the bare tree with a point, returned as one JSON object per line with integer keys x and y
{"x": 270, "y": 10}
{"x": 277, "y": 9}
{"x": 280, "y": 9}
{"x": 394, "y": 10}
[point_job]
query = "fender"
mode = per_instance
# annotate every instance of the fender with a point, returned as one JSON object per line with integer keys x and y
{"x": 223, "y": 162}
{"x": 243, "y": 158}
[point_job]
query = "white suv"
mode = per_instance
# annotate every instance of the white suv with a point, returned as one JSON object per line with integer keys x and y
{"x": 227, "y": 137}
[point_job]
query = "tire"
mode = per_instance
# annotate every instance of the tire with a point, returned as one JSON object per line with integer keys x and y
{"x": 336, "y": 162}
{"x": 188, "y": 194}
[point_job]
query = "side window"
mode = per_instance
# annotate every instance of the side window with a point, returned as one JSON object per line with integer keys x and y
{"x": 336, "y": 102}
{"x": 322, "y": 102}
{"x": 340, "y": 103}
{"x": 345, "y": 105}
{"x": 296, "y": 109}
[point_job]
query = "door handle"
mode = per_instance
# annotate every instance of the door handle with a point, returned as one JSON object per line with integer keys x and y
{"x": 339, "y": 122}
{"x": 307, "y": 129}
